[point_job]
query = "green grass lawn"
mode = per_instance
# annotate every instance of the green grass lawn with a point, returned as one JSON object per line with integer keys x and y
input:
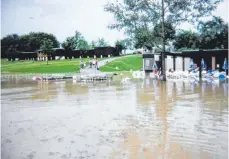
{"x": 55, "y": 66}
{"x": 126, "y": 63}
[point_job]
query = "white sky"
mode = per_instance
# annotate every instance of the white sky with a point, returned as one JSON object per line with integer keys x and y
{"x": 63, "y": 17}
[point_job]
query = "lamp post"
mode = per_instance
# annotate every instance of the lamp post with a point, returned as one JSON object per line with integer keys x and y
{"x": 163, "y": 76}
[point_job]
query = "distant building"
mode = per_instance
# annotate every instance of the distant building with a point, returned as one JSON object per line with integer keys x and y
{"x": 58, "y": 53}
{"x": 180, "y": 60}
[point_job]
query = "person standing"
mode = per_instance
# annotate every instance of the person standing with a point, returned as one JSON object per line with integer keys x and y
{"x": 93, "y": 62}
{"x": 81, "y": 64}
{"x": 90, "y": 63}
{"x": 96, "y": 63}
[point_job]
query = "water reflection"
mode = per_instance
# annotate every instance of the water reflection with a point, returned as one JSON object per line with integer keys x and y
{"x": 145, "y": 93}
{"x": 176, "y": 139}
{"x": 46, "y": 91}
{"x": 146, "y": 119}
{"x": 75, "y": 89}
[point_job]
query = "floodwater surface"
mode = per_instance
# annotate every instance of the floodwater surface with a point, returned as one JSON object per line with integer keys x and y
{"x": 143, "y": 119}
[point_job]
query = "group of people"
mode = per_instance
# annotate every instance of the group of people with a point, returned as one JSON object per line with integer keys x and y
{"x": 92, "y": 62}
{"x": 194, "y": 69}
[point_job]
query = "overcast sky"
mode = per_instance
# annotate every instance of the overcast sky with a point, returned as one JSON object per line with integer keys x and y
{"x": 63, "y": 17}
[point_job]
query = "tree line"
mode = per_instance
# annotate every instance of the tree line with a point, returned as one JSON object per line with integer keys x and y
{"x": 35, "y": 41}
{"x": 211, "y": 34}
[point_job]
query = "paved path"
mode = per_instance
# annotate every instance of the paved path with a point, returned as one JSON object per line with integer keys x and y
{"x": 93, "y": 70}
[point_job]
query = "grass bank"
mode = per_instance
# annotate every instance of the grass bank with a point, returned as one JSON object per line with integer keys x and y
{"x": 55, "y": 66}
{"x": 126, "y": 63}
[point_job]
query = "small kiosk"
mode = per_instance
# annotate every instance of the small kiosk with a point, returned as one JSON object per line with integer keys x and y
{"x": 148, "y": 61}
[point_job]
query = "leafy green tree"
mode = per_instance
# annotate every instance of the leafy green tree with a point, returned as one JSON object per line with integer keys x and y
{"x": 187, "y": 40}
{"x": 24, "y": 43}
{"x": 27, "y": 42}
{"x": 46, "y": 47}
{"x": 9, "y": 43}
{"x": 120, "y": 45}
{"x": 143, "y": 37}
{"x": 123, "y": 44}
{"x": 132, "y": 15}
{"x": 69, "y": 44}
{"x": 93, "y": 44}
{"x": 169, "y": 32}
{"x": 35, "y": 39}
{"x": 83, "y": 45}
{"x": 101, "y": 43}
{"x": 128, "y": 43}
{"x": 214, "y": 33}
{"x": 150, "y": 38}
{"x": 78, "y": 36}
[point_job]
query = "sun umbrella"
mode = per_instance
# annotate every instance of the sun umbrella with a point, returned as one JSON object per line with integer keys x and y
{"x": 203, "y": 65}
{"x": 155, "y": 66}
{"x": 191, "y": 65}
{"x": 225, "y": 65}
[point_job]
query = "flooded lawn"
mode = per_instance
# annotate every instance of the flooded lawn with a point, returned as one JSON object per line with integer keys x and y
{"x": 144, "y": 119}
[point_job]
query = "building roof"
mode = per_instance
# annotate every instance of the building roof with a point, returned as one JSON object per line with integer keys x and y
{"x": 149, "y": 55}
{"x": 58, "y": 49}
{"x": 22, "y": 52}
{"x": 196, "y": 53}
{"x": 104, "y": 47}
{"x": 82, "y": 50}
{"x": 214, "y": 52}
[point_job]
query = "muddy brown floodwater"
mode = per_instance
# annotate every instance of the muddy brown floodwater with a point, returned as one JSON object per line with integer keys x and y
{"x": 144, "y": 119}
